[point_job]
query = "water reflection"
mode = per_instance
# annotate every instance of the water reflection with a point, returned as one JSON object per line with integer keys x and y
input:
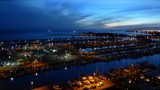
{"x": 66, "y": 74}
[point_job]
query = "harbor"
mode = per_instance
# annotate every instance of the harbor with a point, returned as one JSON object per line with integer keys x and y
{"x": 79, "y": 45}
{"x": 34, "y": 58}
{"x": 121, "y": 78}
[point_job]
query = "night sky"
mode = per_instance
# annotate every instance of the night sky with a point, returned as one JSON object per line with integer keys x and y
{"x": 78, "y": 14}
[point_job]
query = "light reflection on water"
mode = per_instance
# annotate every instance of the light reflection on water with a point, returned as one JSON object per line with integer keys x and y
{"x": 63, "y": 75}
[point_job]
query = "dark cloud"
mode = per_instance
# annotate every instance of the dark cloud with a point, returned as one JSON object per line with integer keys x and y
{"x": 15, "y": 15}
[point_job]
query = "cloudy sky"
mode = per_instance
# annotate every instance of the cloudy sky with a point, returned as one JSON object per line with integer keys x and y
{"x": 78, "y": 14}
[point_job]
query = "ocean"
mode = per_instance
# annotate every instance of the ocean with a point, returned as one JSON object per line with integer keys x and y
{"x": 28, "y": 35}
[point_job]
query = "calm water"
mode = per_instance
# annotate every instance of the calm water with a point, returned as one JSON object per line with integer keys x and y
{"x": 62, "y": 75}
{"x": 26, "y": 35}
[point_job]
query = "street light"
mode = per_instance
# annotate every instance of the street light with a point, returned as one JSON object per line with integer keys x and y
{"x": 147, "y": 80}
{"x": 32, "y": 84}
{"x": 11, "y": 78}
{"x": 36, "y": 74}
{"x": 9, "y": 57}
{"x": 130, "y": 81}
{"x": 25, "y": 55}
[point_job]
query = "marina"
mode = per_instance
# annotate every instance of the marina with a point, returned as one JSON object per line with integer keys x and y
{"x": 35, "y": 59}
{"x": 79, "y": 45}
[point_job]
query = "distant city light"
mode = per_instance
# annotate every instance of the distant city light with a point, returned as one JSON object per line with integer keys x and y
{"x": 11, "y": 78}
{"x": 12, "y": 47}
{"x": 130, "y": 81}
{"x": 158, "y": 77}
{"x": 147, "y": 80}
{"x": 54, "y": 50}
{"x": 32, "y": 83}
{"x": 9, "y": 57}
{"x": 36, "y": 74}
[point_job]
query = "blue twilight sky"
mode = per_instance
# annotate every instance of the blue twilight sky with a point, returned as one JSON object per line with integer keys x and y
{"x": 78, "y": 14}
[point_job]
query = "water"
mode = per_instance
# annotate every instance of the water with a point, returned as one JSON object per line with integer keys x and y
{"x": 24, "y": 35}
{"x": 27, "y": 35}
{"x": 62, "y": 75}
